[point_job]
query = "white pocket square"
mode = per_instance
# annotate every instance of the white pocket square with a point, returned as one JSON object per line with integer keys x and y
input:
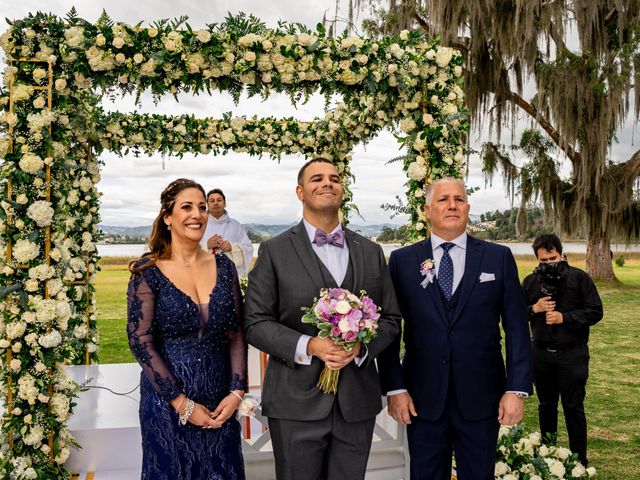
{"x": 487, "y": 277}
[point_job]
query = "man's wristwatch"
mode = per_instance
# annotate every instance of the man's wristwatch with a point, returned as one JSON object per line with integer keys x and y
{"x": 520, "y": 394}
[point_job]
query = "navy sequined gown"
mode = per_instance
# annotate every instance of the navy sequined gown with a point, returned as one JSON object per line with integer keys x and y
{"x": 193, "y": 349}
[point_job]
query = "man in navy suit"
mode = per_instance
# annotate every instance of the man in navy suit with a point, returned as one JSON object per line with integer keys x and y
{"x": 452, "y": 388}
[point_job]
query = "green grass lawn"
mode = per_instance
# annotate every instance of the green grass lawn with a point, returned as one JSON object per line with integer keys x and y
{"x": 613, "y": 391}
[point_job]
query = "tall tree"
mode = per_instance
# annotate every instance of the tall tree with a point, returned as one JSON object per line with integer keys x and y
{"x": 580, "y": 60}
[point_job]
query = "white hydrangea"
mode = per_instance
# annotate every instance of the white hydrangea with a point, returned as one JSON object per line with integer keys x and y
{"x": 80, "y": 331}
{"x": 45, "y": 310}
{"x": 51, "y": 339}
{"x": 27, "y": 389}
{"x": 59, "y": 405}
{"x": 41, "y": 272}
{"x": 15, "y": 330}
{"x": 86, "y": 184}
{"x": 54, "y": 286}
{"x": 40, "y": 212}
{"x": 31, "y": 163}
{"x": 34, "y": 437}
{"x": 62, "y": 456}
{"x": 416, "y": 171}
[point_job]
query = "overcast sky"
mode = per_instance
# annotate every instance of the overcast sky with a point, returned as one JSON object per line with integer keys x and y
{"x": 258, "y": 190}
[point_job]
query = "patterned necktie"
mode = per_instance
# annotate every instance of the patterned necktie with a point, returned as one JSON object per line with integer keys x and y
{"x": 336, "y": 238}
{"x": 445, "y": 272}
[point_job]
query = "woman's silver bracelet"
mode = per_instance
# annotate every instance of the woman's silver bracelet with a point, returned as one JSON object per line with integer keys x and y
{"x": 188, "y": 410}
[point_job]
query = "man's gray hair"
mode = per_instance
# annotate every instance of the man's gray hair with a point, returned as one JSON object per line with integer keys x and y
{"x": 428, "y": 194}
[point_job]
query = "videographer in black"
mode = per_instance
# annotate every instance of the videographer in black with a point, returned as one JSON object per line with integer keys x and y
{"x": 563, "y": 303}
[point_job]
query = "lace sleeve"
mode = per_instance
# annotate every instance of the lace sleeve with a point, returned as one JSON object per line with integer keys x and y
{"x": 140, "y": 323}
{"x": 237, "y": 344}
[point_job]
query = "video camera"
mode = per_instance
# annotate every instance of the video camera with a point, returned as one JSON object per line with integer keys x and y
{"x": 549, "y": 275}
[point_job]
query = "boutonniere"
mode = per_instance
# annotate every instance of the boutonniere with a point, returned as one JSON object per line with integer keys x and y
{"x": 428, "y": 271}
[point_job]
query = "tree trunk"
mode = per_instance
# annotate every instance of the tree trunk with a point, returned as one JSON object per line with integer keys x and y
{"x": 599, "y": 264}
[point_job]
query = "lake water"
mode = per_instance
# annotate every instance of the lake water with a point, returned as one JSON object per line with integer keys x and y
{"x": 132, "y": 251}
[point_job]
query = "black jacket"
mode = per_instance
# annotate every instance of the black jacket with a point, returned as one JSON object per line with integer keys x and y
{"x": 578, "y": 301}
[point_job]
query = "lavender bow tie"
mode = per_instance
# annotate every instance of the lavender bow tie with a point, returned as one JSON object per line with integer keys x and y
{"x": 322, "y": 238}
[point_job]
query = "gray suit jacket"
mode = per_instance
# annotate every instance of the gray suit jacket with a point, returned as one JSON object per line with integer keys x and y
{"x": 285, "y": 278}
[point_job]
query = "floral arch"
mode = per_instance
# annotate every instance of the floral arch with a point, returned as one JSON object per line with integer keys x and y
{"x": 53, "y": 130}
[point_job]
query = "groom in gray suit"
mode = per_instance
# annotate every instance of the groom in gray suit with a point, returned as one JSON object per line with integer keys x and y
{"x": 317, "y": 435}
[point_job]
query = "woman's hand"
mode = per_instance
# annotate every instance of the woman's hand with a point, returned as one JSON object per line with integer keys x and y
{"x": 225, "y": 409}
{"x": 201, "y": 417}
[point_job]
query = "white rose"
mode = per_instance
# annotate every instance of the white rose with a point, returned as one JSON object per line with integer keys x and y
{"x": 557, "y": 469}
{"x": 138, "y": 58}
{"x": 407, "y": 124}
{"x": 591, "y": 471}
{"x": 563, "y": 453}
{"x": 203, "y": 35}
{"x": 60, "y": 84}
{"x": 449, "y": 109}
{"x": 343, "y": 307}
{"x": 118, "y": 42}
{"x": 31, "y": 285}
{"x": 4, "y": 343}
{"x": 152, "y": 32}
{"x": 22, "y": 199}
{"x": 39, "y": 74}
{"x": 101, "y": 40}
{"x": 443, "y": 57}
{"x": 501, "y": 468}
{"x": 249, "y": 56}
{"x": 15, "y": 364}
{"x": 40, "y": 367}
{"x": 39, "y": 102}
{"x": 578, "y": 470}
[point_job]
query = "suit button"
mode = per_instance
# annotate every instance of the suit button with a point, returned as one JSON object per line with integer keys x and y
{"x": 451, "y": 331}
{"x": 445, "y": 360}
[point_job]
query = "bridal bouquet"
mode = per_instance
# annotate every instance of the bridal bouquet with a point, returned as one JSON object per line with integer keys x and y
{"x": 344, "y": 318}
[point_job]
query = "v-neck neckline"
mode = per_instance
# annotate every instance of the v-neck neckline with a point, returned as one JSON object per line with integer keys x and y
{"x": 185, "y": 293}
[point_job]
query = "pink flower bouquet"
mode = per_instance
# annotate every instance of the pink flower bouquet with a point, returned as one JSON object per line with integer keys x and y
{"x": 344, "y": 318}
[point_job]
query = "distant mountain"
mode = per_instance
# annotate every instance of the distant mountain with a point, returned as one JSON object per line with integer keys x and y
{"x": 141, "y": 231}
{"x": 263, "y": 230}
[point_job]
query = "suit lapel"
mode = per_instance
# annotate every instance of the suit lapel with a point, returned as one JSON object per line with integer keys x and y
{"x": 471, "y": 272}
{"x": 305, "y": 253}
{"x": 423, "y": 254}
{"x": 357, "y": 257}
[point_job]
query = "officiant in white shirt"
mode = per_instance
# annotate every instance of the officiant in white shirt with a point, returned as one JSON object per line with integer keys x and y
{"x": 224, "y": 234}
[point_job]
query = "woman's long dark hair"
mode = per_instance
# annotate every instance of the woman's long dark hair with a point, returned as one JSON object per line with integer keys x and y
{"x": 160, "y": 238}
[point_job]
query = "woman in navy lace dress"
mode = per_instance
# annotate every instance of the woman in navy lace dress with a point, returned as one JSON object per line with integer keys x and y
{"x": 184, "y": 330}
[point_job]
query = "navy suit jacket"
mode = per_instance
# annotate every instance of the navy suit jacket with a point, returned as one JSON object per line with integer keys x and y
{"x": 466, "y": 350}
